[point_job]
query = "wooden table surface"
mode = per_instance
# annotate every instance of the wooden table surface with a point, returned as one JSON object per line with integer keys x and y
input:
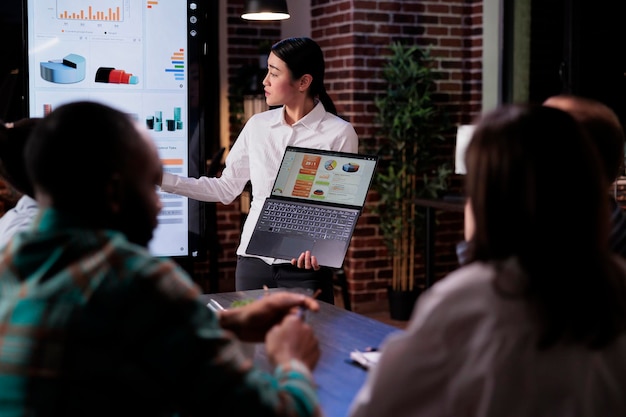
{"x": 339, "y": 332}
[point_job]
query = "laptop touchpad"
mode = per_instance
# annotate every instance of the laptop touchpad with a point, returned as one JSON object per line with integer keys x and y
{"x": 292, "y": 247}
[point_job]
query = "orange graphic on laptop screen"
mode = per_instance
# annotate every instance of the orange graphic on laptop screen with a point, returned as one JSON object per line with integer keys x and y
{"x": 311, "y": 161}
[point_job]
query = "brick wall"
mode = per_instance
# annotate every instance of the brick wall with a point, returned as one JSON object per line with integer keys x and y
{"x": 355, "y": 36}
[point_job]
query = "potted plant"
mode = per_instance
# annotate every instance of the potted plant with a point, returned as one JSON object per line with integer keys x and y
{"x": 411, "y": 124}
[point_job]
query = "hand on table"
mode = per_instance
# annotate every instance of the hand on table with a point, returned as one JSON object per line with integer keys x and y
{"x": 252, "y": 322}
{"x": 292, "y": 339}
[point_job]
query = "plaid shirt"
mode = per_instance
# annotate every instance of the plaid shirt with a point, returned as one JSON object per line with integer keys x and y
{"x": 92, "y": 325}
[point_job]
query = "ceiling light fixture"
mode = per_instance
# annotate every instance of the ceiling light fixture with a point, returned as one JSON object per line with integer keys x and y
{"x": 265, "y": 10}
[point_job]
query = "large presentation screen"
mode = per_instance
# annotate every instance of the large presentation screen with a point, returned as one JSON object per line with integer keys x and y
{"x": 140, "y": 56}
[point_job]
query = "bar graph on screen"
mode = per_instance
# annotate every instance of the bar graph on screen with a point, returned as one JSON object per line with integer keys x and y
{"x": 110, "y": 11}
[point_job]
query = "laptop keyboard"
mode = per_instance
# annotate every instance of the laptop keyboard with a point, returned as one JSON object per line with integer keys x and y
{"x": 316, "y": 222}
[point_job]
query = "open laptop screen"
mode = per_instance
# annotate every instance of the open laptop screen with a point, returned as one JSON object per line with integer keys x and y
{"x": 321, "y": 175}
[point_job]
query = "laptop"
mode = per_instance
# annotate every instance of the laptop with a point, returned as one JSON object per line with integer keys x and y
{"x": 316, "y": 200}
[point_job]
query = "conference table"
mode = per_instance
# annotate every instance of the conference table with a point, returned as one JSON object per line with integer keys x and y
{"x": 339, "y": 332}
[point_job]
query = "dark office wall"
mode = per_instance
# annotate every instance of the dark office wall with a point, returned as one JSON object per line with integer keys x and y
{"x": 11, "y": 34}
{"x": 546, "y": 46}
{"x": 596, "y": 51}
{"x": 12, "y": 106}
{"x": 578, "y": 47}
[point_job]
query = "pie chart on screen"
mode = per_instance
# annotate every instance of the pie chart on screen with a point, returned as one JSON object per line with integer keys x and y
{"x": 350, "y": 167}
{"x": 330, "y": 165}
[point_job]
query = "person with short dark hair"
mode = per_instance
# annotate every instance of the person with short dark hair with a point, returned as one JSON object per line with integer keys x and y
{"x": 535, "y": 323}
{"x": 91, "y": 324}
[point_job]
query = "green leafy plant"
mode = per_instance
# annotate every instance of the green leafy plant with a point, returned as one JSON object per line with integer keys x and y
{"x": 411, "y": 124}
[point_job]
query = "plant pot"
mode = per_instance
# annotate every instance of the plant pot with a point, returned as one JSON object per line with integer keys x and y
{"x": 401, "y": 303}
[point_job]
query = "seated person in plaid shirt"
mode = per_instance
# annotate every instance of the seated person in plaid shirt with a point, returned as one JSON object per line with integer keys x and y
{"x": 92, "y": 325}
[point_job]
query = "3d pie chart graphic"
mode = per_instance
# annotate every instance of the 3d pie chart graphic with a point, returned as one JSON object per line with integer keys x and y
{"x": 69, "y": 70}
{"x": 350, "y": 167}
{"x": 115, "y": 76}
{"x": 330, "y": 165}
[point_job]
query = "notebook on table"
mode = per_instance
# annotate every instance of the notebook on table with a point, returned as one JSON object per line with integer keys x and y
{"x": 316, "y": 200}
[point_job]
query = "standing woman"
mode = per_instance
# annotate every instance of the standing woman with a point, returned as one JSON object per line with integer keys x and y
{"x": 307, "y": 118}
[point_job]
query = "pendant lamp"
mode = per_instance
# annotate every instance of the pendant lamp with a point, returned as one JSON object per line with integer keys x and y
{"x": 265, "y": 10}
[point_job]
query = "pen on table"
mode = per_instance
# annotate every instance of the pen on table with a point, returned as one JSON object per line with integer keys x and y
{"x": 302, "y": 310}
{"x": 317, "y": 293}
{"x": 215, "y": 306}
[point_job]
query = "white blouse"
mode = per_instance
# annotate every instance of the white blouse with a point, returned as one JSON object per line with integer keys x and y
{"x": 256, "y": 156}
{"x": 17, "y": 218}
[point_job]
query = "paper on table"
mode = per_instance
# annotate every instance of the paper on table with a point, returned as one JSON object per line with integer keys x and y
{"x": 365, "y": 359}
